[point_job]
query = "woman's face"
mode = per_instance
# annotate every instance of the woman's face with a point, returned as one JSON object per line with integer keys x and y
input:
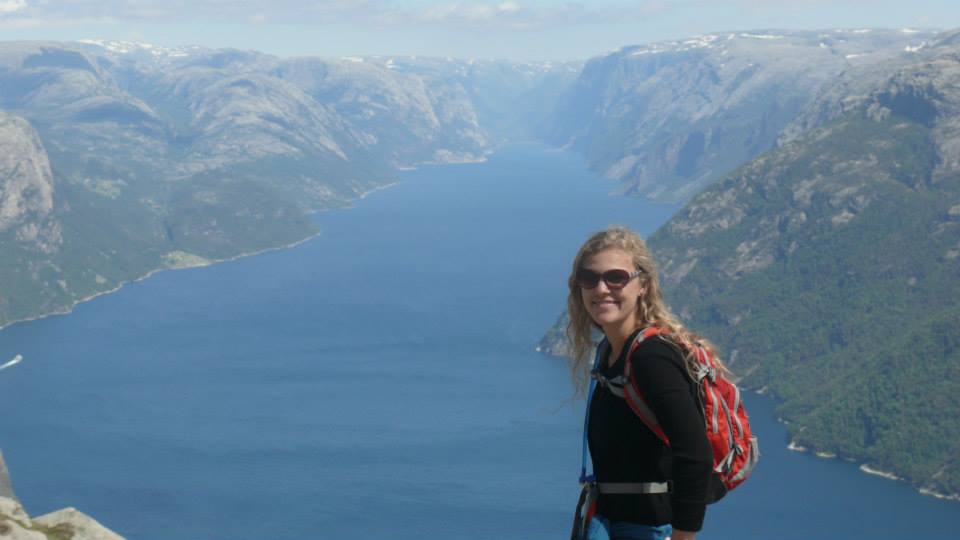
{"x": 613, "y": 309}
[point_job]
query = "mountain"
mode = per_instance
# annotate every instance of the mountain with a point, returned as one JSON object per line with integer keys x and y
{"x": 122, "y": 158}
{"x": 513, "y": 99}
{"x": 827, "y": 268}
{"x": 669, "y": 118}
{"x": 90, "y": 191}
{"x": 165, "y": 157}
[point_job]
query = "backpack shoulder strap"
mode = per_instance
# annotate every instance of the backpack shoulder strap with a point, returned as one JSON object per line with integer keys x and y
{"x": 631, "y": 391}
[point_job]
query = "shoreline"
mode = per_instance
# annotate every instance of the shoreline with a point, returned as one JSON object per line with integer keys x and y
{"x": 205, "y": 262}
{"x": 460, "y": 160}
{"x": 794, "y": 446}
{"x": 200, "y": 264}
{"x": 877, "y": 472}
{"x": 363, "y": 195}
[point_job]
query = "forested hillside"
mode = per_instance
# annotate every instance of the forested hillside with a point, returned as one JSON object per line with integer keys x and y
{"x": 828, "y": 269}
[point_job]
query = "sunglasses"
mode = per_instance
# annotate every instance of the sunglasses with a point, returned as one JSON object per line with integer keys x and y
{"x": 615, "y": 279}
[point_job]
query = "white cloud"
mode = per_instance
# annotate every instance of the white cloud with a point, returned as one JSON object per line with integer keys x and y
{"x": 462, "y": 11}
{"x": 484, "y": 15}
{"x": 511, "y": 15}
{"x": 10, "y": 6}
{"x": 508, "y": 6}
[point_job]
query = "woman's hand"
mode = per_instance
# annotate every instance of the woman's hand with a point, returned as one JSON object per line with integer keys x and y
{"x": 682, "y": 535}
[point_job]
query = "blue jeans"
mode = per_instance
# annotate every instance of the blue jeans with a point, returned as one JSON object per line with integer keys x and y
{"x": 601, "y": 529}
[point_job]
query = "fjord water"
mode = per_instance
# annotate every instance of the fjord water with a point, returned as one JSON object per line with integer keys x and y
{"x": 376, "y": 382}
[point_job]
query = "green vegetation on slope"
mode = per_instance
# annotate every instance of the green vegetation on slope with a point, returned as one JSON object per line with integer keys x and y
{"x": 837, "y": 288}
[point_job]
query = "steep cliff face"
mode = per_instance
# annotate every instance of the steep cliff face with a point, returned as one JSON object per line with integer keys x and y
{"x": 383, "y": 106}
{"x": 511, "y": 100}
{"x": 26, "y": 194}
{"x": 667, "y": 119}
{"x": 399, "y": 116}
{"x": 828, "y": 271}
{"x": 31, "y": 234}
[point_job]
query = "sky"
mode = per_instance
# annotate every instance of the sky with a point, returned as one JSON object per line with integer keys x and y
{"x": 510, "y": 29}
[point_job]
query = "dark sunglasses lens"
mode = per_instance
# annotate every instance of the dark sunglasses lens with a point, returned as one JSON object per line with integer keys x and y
{"x": 588, "y": 279}
{"x": 616, "y": 278}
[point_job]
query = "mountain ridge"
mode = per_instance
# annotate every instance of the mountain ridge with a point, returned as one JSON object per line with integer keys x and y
{"x": 164, "y": 158}
{"x": 669, "y": 118}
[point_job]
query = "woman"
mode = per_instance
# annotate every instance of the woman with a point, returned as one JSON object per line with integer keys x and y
{"x": 614, "y": 287}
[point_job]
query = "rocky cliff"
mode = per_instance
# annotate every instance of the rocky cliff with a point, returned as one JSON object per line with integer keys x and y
{"x": 669, "y": 118}
{"x": 65, "y": 524}
{"x": 30, "y": 228}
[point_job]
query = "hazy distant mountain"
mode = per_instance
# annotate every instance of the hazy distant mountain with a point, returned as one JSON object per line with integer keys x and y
{"x": 827, "y": 268}
{"x": 511, "y": 99}
{"x": 121, "y": 158}
{"x": 669, "y": 118}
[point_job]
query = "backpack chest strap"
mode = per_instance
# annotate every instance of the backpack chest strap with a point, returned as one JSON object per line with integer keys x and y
{"x": 614, "y": 385}
{"x": 633, "y": 488}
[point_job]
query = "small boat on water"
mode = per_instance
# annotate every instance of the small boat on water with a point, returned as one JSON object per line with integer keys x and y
{"x": 16, "y": 360}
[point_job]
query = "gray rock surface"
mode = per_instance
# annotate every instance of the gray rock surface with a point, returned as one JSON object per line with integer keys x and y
{"x": 6, "y": 486}
{"x": 669, "y": 118}
{"x": 15, "y": 530}
{"x": 26, "y": 183}
{"x": 81, "y": 526}
{"x": 11, "y": 509}
{"x": 66, "y": 524}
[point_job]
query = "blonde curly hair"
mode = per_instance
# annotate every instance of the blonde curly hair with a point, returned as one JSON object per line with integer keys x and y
{"x": 651, "y": 308}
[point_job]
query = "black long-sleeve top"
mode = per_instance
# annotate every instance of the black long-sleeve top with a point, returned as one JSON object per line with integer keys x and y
{"x": 624, "y": 449}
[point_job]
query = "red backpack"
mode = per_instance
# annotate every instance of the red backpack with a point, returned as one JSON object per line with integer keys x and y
{"x": 735, "y": 450}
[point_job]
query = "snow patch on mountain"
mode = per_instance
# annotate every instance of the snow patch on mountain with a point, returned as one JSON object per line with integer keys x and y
{"x": 132, "y": 47}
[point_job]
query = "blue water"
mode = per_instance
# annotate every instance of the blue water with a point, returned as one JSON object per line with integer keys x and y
{"x": 376, "y": 382}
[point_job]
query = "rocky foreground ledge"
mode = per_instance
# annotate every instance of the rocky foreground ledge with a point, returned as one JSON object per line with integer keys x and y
{"x": 65, "y": 524}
